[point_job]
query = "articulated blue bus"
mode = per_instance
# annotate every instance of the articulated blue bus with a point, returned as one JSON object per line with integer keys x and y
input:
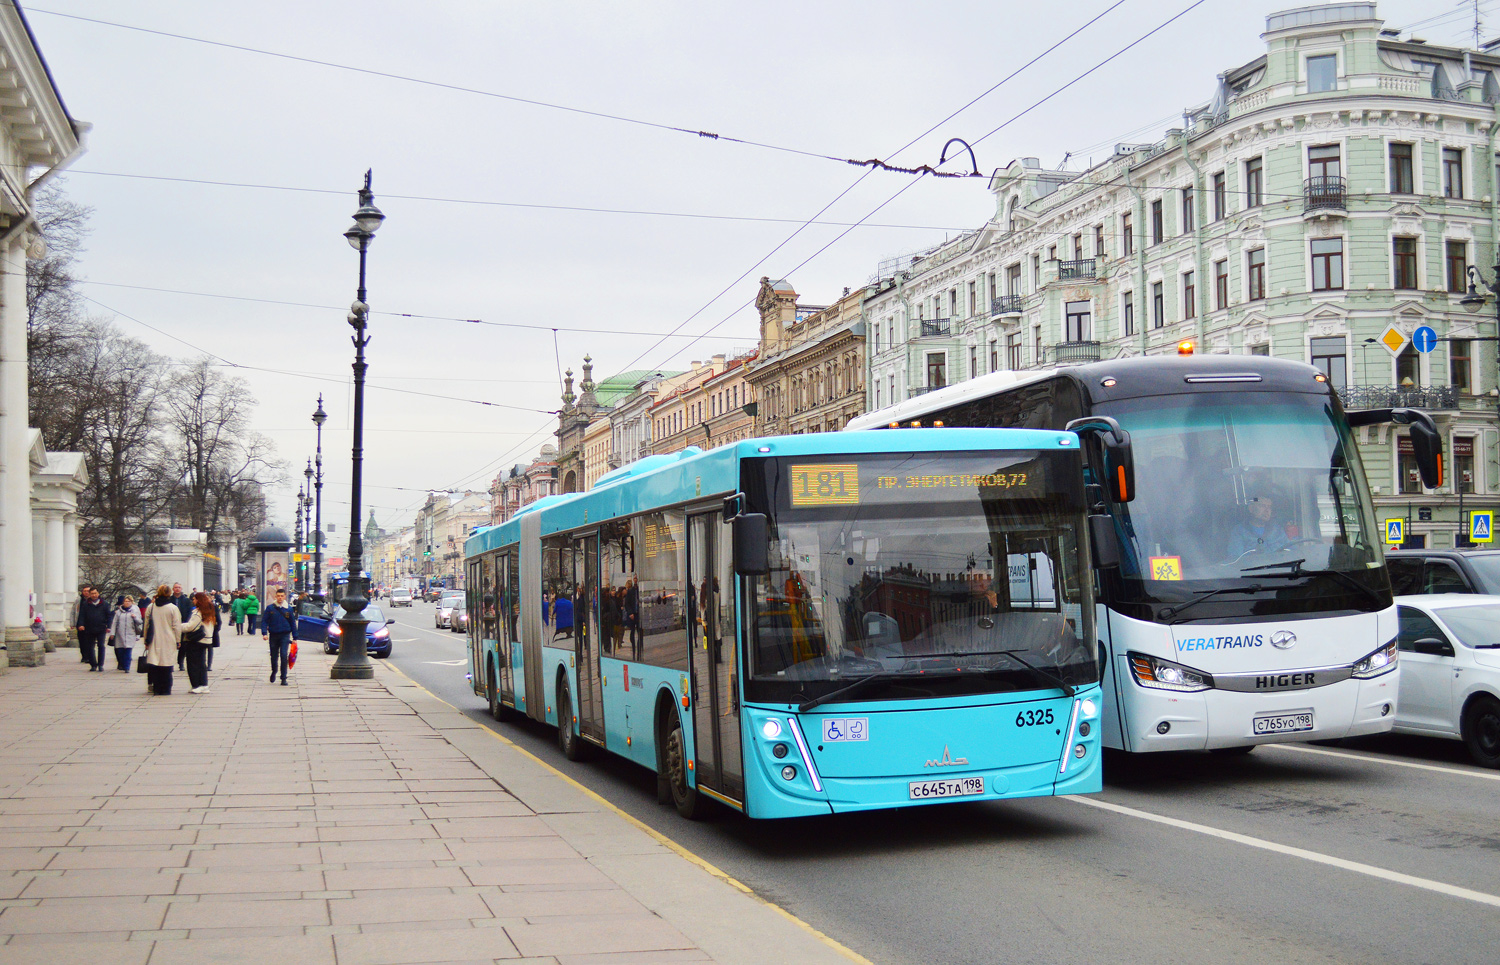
{"x": 808, "y": 624}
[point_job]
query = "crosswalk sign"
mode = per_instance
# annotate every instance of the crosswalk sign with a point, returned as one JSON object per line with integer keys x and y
{"x": 1394, "y": 531}
{"x": 1482, "y": 527}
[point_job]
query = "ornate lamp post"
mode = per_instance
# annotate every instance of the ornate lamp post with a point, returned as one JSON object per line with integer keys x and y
{"x": 296, "y": 568}
{"x": 354, "y": 662}
{"x": 307, "y": 529}
{"x": 318, "y": 417}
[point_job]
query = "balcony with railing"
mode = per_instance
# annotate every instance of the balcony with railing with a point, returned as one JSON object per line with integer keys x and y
{"x": 934, "y": 327}
{"x": 1006, "y": 305}
{"x": 1399, "y": 397}
{"x": 917, "y": 390}
{"x": 1076, "y": 269}
{"x": 1325, "y": 195}
{"x": 1073, "y": 353}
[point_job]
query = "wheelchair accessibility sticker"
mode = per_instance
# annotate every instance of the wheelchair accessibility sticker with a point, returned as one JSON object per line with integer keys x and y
{"x": 837, "y": 729}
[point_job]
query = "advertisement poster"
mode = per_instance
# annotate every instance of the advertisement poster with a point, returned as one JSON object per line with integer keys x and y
{"x": 275, "y": 573}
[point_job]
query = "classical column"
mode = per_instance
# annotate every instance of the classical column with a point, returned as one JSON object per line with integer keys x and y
{"x": 55, "y": 590}
{"x": 70, "y": 565}
{"x": 15, "y": 463}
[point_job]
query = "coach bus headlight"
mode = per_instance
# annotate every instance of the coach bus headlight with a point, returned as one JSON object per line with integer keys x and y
{"x": 1382, "y": 660}
{"x": 771, "y": 728}
{"x": 1159, "y": 674}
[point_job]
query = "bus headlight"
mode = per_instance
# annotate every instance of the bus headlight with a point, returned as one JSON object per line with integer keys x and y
{"x": 1377, "y": 662}
{"x": 1160, "y": 674}
{"x": 771, "y": 728}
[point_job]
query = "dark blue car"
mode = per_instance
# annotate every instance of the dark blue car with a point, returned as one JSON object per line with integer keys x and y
{"x": 377, "y": 631}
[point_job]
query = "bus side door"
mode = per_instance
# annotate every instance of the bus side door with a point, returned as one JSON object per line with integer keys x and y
{"x": 586, "y": 638}
{"x": 714, "y": 657}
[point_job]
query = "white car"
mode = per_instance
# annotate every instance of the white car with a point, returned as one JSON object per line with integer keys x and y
{"x": 400, "y": 596}
{"x": 1450, "y": 670}
{"x": 445, "y": 606}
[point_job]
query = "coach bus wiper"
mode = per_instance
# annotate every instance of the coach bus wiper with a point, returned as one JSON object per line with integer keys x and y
{"x": 1338, "y": 576}
{"x": 1175, "y": 609}
{"x": 1046, "y": 675}
{"x": 857, "y": 685}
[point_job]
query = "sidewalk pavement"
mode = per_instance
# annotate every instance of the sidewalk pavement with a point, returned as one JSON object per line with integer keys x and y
{"x": 348, "y": 822}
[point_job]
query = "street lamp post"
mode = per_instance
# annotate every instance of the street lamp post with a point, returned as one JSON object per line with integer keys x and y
{"x": 1472, "y": 303}
{"x": 296, "y": 568}
{"x": 318, "y": 418}
{"x": 307, "y": 529}
{"x": 354, "y": 662}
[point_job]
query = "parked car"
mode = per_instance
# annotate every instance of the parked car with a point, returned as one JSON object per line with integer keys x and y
{"x": 458, "y": 620}
{"x": 377, "y": 632}
{"x": 400, "y": 596}
{"x": 445, "y": 606}
{"x": 313, "y": 617}
{"x": 1444, "y": 571}
{"x": 1450, "y": 670}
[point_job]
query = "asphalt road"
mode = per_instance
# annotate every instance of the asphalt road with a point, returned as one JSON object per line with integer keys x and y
{"x": 1381, "y": 850}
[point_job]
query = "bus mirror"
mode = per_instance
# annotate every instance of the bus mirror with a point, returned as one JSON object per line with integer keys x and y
{"x": 752, "y": 544}
{"x": 1119, "y": 466}
{"x": 1102, "y": 541}
{"x": 1427, "y": 446}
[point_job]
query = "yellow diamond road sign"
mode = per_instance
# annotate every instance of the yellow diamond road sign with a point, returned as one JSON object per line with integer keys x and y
{"x": 1393, "y": 339}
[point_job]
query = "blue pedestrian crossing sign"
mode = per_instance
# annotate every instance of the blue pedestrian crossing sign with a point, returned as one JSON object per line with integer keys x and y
{"x": 1424, "y": 339}
{"x": 1395, "y": 531}
{"x": 1482, "y": 527}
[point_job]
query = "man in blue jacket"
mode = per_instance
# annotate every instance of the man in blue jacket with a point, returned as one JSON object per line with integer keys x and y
{"x": 278, "y": 624}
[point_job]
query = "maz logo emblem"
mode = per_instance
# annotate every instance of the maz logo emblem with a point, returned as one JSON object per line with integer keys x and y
{"x": 1283, "y": 639}
{"x": 948, "y": 761}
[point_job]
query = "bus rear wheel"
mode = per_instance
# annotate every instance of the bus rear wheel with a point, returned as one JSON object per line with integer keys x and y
{"x": 497, "y": 710}
{"x": 567, "y": 741}
{"x": 688, "y": 801}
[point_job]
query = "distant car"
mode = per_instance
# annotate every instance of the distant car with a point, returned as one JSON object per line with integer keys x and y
{"x": 1444, "y": 571}
{"x": 445, "y": 606}
{"x": 458, "y": 620}
{"x": 1450, "y": 670}
{"x": 377, "y": 632}
{"x": 435, "y": 594}
{"x": 400, "y": 596}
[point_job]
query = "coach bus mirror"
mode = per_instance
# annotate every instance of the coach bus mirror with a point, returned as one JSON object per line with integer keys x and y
{"x": 1119, "y": 466}
{"x": 1427, "y": 446}
{"x": 752, "y": 544}
{"x": 1103, "y": 542}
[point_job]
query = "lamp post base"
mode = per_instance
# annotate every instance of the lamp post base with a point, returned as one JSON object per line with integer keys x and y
{"x": 353, "y": 662}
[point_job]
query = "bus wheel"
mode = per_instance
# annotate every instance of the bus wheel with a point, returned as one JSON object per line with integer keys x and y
{"x": 1481, "y": 731}
{"x": 688, "y": 801}
{"x": 1240, "y": 751}
{"x": 567, "y": 740}
{"x": 497, "y": 711}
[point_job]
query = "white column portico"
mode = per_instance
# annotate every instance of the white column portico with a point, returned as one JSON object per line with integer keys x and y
{"x": 54, "y": 505}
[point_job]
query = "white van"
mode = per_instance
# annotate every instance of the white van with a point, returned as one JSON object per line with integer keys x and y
{"x": 400, "y": 596}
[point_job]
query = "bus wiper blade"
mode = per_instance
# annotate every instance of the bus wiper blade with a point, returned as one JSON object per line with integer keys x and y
{"x": 1172, "y": 611}
{"x": 1295, "y": 565}
{"x": 1047, "y": 675}
{"x": 1337, "y": 575}
{"x": 857, "y": 685}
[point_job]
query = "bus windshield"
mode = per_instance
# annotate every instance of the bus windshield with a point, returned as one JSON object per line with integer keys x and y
{"x": 943, "y": 573}
{"x": 1258, "y": 496}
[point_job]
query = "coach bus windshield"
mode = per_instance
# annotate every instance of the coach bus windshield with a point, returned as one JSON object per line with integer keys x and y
{"x": 944, "y": 573}
{"x": 1261, "y": 498}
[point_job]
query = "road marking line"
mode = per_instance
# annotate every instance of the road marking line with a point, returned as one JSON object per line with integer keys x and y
{"x": 1466, "y": 772}
{"x": 1427, "y": 884}
{"x": 656, "y": 835}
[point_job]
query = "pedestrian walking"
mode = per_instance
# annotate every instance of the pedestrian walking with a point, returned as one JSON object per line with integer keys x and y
{"x": 199, "y": 635}
{"x": 124, "y": 631}
{"x": 252, "y": 609}
{"x": 163, "y": 635}
{"x": 93, "y": 624}
{"x": 83, "y": 595}
{"x": 279, "y": 625}
{"x": 237, "y": 611}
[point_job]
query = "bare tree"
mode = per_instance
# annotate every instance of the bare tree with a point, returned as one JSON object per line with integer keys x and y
{"x": 115, "y": 573}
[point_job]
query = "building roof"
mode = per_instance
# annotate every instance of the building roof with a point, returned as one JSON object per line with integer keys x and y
{"x": 617, "y": 387}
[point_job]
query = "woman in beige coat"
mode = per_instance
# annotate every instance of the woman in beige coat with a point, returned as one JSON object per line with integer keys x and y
{"x": 163, "y": 634}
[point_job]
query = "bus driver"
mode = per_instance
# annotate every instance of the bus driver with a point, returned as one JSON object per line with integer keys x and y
{"x": 1256, "y": 532}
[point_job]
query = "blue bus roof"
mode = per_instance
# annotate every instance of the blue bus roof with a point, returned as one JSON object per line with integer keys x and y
{"x": 673, "y": 478}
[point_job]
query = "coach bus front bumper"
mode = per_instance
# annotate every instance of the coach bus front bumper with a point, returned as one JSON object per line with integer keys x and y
{"x": 865, "y": 756}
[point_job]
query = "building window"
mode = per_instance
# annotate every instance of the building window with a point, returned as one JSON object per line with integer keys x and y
{"x": 1458, "y": 365}
{"x": 1453, "y": 172}
{"x": 994, "y": 355}
{"x": 1457, "y": 263}
{"x": 1036, "y": 272}
{"x": 1408, "y": 367}
{"x": 1078, "y": 321}
{"x": 1189, "y": 296}
{"x": 1405, "y": 258}
{"x": 1221, "y": 195}
{"x": 1323, "y": 162}
{"x": 1254, "y": 174}
{"x": 973, "y": 361}
{"x": 953, "y": 303}
{"x": 1401, "y": 169}
{"x": 1013, "y": 350}
{"x": 937, "y": 370}
{"x": 1327, "y": 264}
{"x": 1157, "y": 224}
{"x": 1463, "y": 463}
{"x": 1127, "y": 235}
{"x": 1328, "y": 357}
{"x": 1406, "y": 466}
{"x": 1261, "y": 349}
{"x": 1221, "y": 283}
{"x": 1255, "y": 270}
{"x": 1052, "y": 252}
{"x": 1013, "y": 280}
{"x": 1188, "y": 221}
{"x": 1078, "y": 247}
{"x": 1158, "y": 306}
{"x": 973, "y": 300}
{"x": 1322, "y": 73}
{"x": 1098, "y": 241}
{"x": 991, "y": 277}
{"x": 1127, "y": 313}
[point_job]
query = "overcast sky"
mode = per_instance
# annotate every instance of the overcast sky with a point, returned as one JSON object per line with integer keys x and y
{"x": 852, "y": 79}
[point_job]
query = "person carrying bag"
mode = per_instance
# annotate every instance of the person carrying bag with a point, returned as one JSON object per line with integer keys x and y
{"x": 163, "y": 635}
{"x": 199, "y": 634}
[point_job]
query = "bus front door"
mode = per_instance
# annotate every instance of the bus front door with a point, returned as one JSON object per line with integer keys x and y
{"x": 586, "y": 640}
{"x": 715, "y": 659}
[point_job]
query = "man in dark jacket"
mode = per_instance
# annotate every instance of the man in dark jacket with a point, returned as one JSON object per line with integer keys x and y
{"x": 185, "y": 607}
{"x": 93, "y": 623}
{"x": 278, "y": 624}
